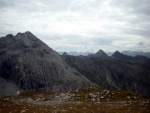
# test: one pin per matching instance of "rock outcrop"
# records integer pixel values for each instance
(32, 65)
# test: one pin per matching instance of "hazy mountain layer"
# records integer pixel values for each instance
(135, 53)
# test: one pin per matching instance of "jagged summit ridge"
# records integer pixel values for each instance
(22, 41)
(30, 40)
(27, 33)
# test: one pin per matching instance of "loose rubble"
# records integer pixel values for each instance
(75, 100)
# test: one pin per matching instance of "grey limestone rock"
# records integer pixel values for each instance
(7, 88)
(32, 65)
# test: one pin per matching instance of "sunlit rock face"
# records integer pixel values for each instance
(32, 65)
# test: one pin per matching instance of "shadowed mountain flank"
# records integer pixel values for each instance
(114, 72)
(32, 65)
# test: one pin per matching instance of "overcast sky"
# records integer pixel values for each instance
(80, 25)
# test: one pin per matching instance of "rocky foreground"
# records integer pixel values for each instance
(88, 100)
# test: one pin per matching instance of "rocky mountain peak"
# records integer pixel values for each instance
(101, 53)
(28, 40)
(24, 33)
(116, 53)
(65, 54)
(18, 34)
(9, 35)
(27, 35)
(119, 55)
(32, 65)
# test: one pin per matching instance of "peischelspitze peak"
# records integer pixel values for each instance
(32, 65)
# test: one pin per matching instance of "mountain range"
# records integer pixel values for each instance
(28, 64)
(127, 52)
(118, 71)
(136, 53)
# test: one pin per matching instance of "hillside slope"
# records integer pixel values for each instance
(32, 65)
(114, 72)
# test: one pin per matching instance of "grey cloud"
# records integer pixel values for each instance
(141, 43)
(85, 5)
(65, 39)
(103, 41)
(30, 6)
(60, 22)
(7, 3)
(141, 6)
(133, 6)
(36, 5)
(100, 38)
(60, 37)
(142, 46)
(137, 32)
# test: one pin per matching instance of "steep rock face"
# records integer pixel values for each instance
(32, 65)
(7, 88)
(113, 73)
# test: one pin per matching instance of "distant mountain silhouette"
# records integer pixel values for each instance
(74, 53)
(127, 52)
